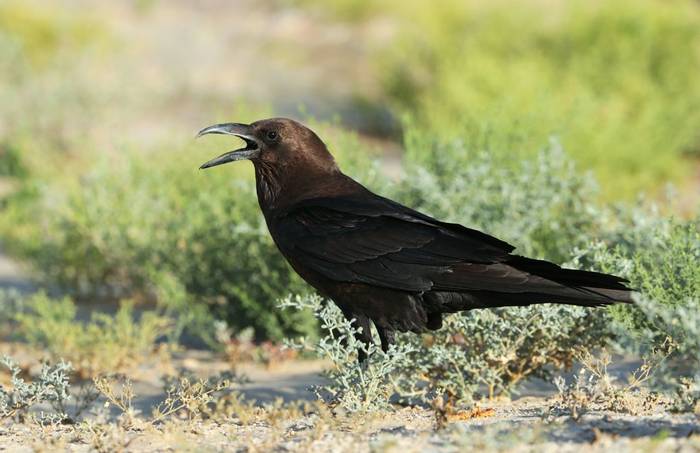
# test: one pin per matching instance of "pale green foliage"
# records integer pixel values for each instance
(51, 386)
(489, 352)
(687, 398)
(485, 349)
(10, 304)
(615, 80)
(661, 258)
(355, 387)
(679, 322)
(105, 343)
(195, 320)
(544, 206)
(41, 31)
(171, 231)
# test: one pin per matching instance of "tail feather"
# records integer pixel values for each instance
(615, 295)
(527, 282)
(595, 288)
(568, 277)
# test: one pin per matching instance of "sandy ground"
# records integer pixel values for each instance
(515, 428)
(525, 423)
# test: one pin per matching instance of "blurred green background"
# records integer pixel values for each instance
(445, 105)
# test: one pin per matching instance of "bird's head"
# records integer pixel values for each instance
(274, 142)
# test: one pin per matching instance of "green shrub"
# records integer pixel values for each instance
(11, 161)
(41, 30)
(616, 81)
(680, 323)
(122, 230)
(197, 239)
(490, 352)
(594, 388)
(51, 387)
(107, 343)
(476, 354)
(357, 388)
(544, 206)
(661, 258)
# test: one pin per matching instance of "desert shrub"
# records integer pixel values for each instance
(357, 388)
(679, 322)
(41, 31)
(186, 396)
(614, 80)
(475, 354)
(22, 399)
(104, 343)
(594, 388)
(490, 352)
(687, 397)
(154, 225)
(198, 243)
(544, 206)
(10, 304)
(11, 161)
(140, 228)
(192, 322)
(661, 258)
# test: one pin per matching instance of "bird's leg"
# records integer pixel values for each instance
(386, 336)
(363, 335)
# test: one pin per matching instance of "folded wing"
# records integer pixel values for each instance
(379, 242)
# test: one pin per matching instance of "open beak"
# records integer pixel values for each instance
(243, 131)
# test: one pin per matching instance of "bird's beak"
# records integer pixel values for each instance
(243, 131)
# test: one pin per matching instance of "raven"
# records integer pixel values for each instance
(383, 262)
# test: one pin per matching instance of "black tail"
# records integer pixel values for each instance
(523, 281)
(577, 287)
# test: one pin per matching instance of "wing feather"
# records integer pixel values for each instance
(380, 243)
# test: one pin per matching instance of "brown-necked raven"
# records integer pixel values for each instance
(381, 261)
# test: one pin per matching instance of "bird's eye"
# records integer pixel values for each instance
(272, 135)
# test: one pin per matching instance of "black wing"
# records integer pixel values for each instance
(376, 241)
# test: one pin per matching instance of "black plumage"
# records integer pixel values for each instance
(381, 261)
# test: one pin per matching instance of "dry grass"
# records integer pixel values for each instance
(211, 412)
(593, 387)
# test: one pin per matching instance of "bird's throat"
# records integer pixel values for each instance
(267, 184)
(281, 186)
